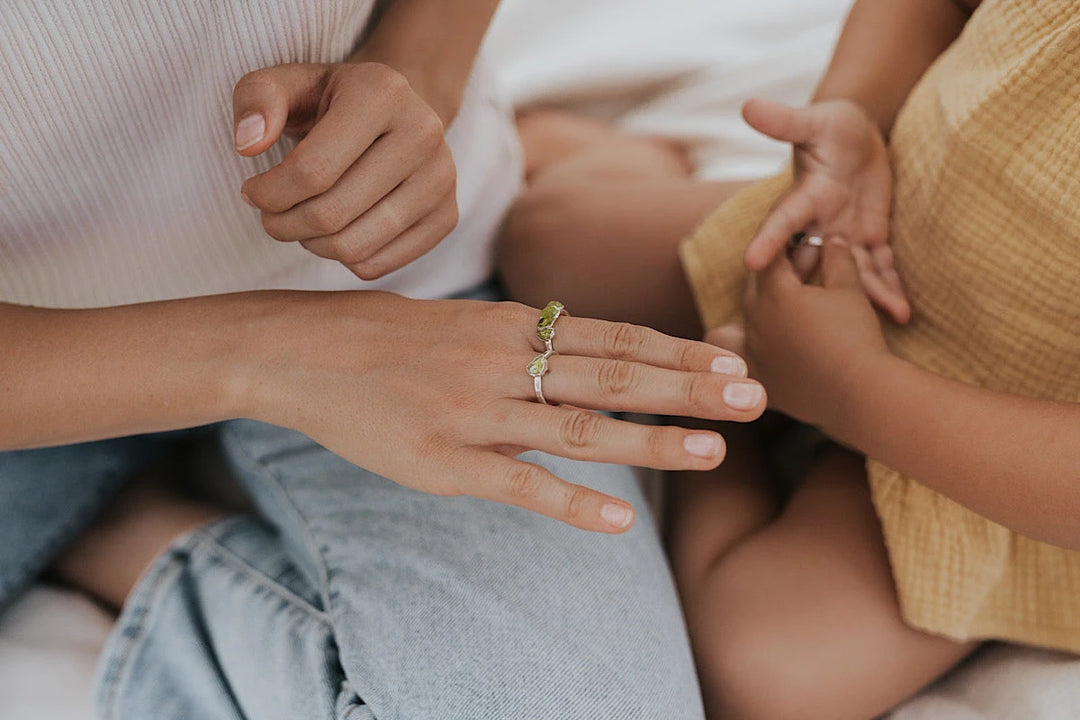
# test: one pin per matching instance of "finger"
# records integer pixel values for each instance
(894, 300)
(384, 166)
(623, 341)
(414, 243)
(844, 265)
(491, 476)
(790, 216)
(416, 198)
(583, 435)
(264, 100)
(781, 122)
(730, 337)
(351, 123)
(620, 385)
(805, 259)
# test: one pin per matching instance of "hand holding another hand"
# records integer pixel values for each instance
(808, 345)
(843, 187)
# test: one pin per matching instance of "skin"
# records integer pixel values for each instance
(371, 182)
(452, 417)
(790, 602)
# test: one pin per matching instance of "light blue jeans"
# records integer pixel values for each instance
(351, 597)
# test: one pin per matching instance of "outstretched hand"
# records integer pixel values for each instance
(371, 183)
(435, 395)
(843, 186)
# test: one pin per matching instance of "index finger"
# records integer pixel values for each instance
(529, 486)
(791, 215)
(623, 341)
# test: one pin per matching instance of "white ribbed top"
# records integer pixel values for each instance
(118, 178)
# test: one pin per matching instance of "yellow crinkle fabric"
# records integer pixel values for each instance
(986, 228)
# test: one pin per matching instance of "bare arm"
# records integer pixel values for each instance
(885, 48)
(433, 43)
(1011, 459)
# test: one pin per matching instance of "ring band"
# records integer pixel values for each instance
(800, 238)
(537, 369)
(545, 328)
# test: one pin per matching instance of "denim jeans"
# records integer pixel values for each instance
(348, 596)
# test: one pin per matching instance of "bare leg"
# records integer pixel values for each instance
(108, 559)
(800, 618)
(610, 208)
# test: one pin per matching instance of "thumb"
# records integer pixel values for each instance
(838, 268)
(781, 122)
(264, 100)
(730, 337)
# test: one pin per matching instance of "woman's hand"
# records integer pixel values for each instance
(843, 186)
(435, 395)
(371, 183)
(808, 345)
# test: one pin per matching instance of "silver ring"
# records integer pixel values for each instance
(537, 369)
(545, 328)
(800, 238)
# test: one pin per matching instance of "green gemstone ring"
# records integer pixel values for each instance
(545, 333)
(545, 328)
(537, 369)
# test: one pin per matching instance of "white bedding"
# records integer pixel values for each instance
(680, 69)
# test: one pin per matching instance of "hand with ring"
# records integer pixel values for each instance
(442, 396)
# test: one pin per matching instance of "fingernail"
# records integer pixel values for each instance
(618, 516)
(703, 446)
(729, 365)
(838, 241)
(742, 395)
(250, 130)
(245, 198)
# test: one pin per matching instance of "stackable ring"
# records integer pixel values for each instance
(537, 369)
(545, 328)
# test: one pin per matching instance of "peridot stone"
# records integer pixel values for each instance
(538, 366)
(545, 329)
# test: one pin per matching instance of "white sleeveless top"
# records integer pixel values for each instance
(118, 178)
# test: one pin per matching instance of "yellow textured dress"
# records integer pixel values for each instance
(986, 228)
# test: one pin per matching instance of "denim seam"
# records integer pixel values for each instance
(286, 501)
(241, 567)
(117, 657)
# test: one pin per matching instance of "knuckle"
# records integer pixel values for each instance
(695, 391)
(325, 217)
(623, 340)
(655, 443)
(524, 482)
(616, 378)
(580, 429)
(312, 171)
(369, 269)
(577, 502)
(430, 131)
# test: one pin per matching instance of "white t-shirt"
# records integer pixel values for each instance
(118, 178)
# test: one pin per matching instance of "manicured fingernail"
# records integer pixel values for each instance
(250, 130)
(742, 395)
(245, 198)
(618, 516)
(703, 446)
(728, 365)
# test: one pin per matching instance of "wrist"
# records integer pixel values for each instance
(440, 85)
(859, 396)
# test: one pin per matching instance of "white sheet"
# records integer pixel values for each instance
(679, 69)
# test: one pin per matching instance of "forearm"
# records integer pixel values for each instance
(433, 43)
(76, 375)
(1012, 459)
(886, 46)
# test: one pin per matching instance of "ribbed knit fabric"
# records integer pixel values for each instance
(118, 178)
(986, 228)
